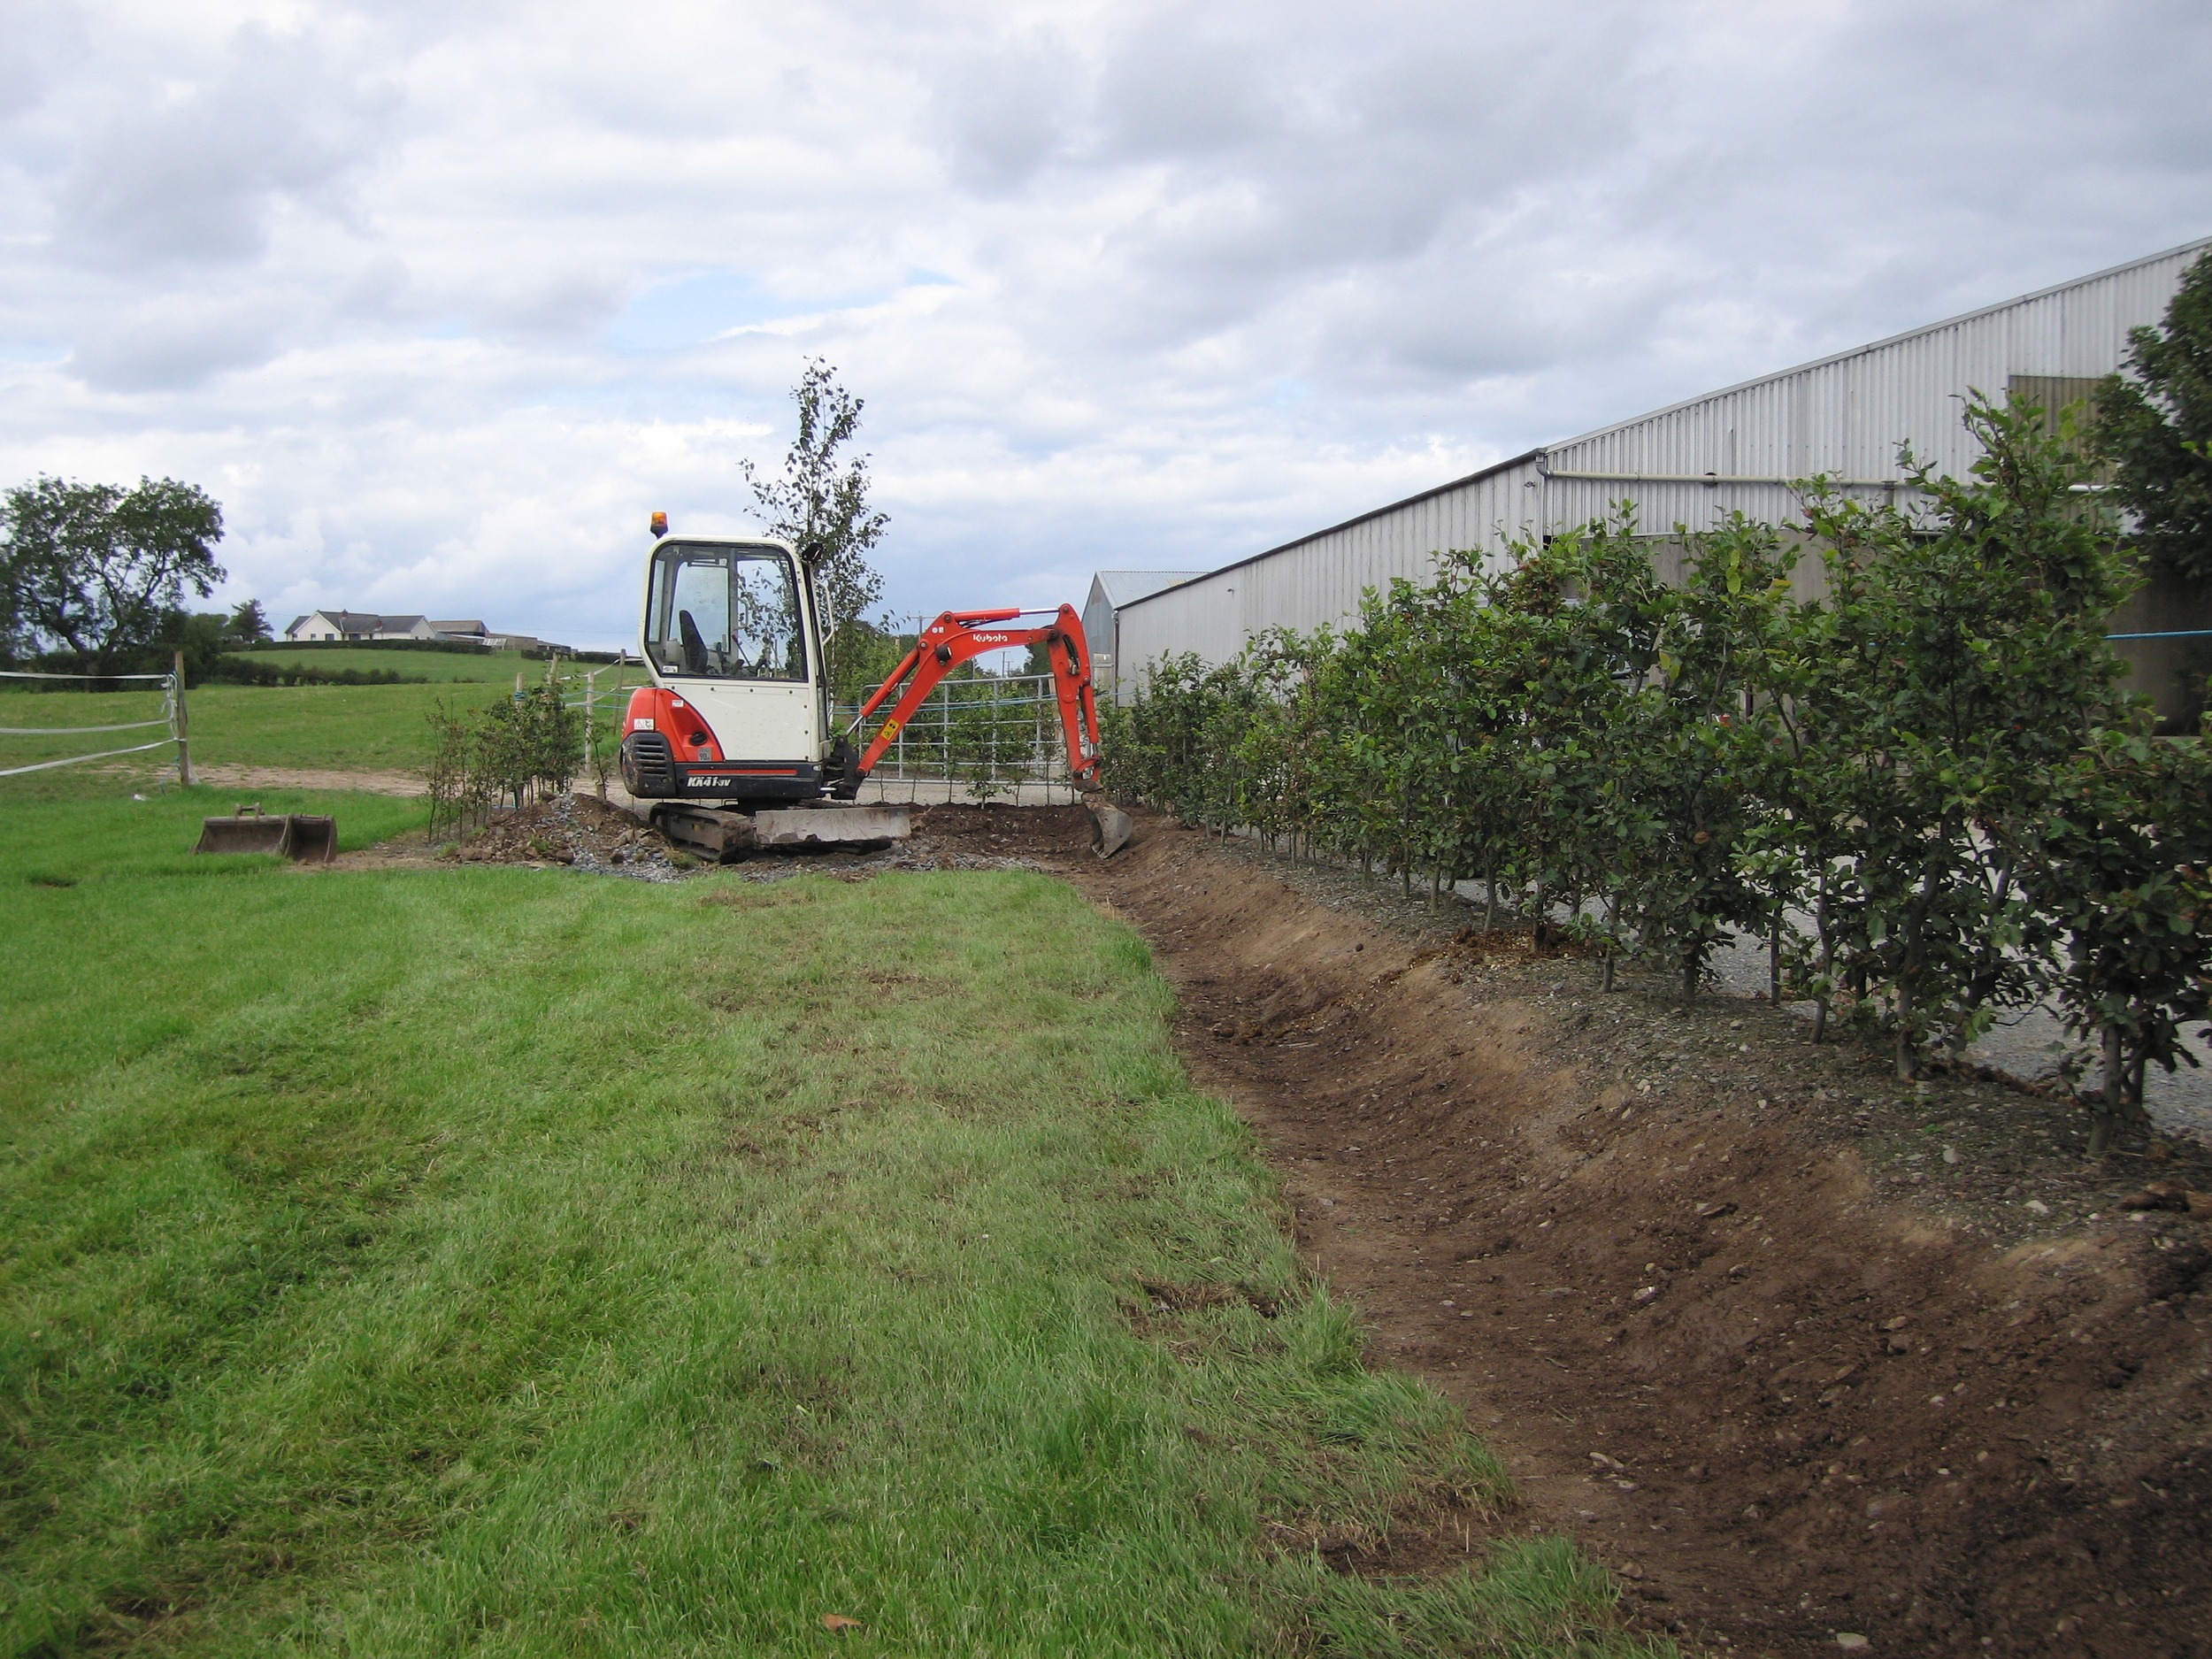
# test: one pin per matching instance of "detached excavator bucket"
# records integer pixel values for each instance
(1111, 827)
(312, 839)
(301, 837)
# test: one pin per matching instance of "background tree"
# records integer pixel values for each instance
(249, 623)
(2157, 428)
(98, 571)
(820, 502)
(201, 637)
(865, 654)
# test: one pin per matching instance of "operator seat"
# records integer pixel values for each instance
(694, 647)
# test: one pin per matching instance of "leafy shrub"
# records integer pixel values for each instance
(1932, 767)
(508, 752)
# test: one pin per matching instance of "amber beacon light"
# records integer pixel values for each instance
(660, 526)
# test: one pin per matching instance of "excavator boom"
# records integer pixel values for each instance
(960, 636)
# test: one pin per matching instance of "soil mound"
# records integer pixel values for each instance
(999, 832)
(579, 830)
(1796, 1350)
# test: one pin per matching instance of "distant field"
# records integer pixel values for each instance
(520, 1263)
(372, 728)
(357, 728)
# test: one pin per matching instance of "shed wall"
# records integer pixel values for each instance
(1844, 416)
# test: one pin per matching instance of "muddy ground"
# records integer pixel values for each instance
(585, 832)
(1797, 1350)
(229, 777)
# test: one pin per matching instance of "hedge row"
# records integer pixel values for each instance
(244, 671)
(1925, 791)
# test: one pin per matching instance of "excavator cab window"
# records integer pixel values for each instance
(725, 613)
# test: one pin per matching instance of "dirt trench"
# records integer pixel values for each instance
(1781, 1399)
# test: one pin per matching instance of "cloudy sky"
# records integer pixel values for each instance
(441, 300)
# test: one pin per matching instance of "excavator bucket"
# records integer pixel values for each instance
(1111, 827)
(302, 837)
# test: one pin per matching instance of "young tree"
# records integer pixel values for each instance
(2157, 428)
(1696, 743)
(1957, 659)
(819, 504)
(249, 623)
(2122, 859)
(96, 569)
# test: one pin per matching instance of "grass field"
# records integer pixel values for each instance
(349, 727)
(344, 727)
(524, 1263)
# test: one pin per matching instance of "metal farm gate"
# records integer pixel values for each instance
(981, 739)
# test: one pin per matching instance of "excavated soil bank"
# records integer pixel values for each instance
(1796, 1349)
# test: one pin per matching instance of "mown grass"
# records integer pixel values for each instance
(521, 1263)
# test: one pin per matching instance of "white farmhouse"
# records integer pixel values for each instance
(342, 626)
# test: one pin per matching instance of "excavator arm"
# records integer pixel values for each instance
(960, 636)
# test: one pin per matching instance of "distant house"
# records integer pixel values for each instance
(526, 643)
(342, 626)
(335, 624)
(338, 626)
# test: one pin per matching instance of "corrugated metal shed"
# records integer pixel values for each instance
(1691, 464)
(1110, 591)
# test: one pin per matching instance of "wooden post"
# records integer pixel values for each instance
(184, 724)
(591, 754)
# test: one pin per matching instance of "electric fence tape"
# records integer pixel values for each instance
(168, 717)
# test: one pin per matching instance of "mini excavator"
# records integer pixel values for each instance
(733, 743)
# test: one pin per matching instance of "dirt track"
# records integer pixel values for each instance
(1782, 1398)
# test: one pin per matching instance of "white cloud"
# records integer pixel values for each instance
(442, 301)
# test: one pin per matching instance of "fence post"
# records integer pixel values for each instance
(591, 755)
(184, 724)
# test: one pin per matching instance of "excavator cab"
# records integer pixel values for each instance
(737, 710)
(732, 743)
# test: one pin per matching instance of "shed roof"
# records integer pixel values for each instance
(1925, 329)
(1373, 512)
(1123, 588)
